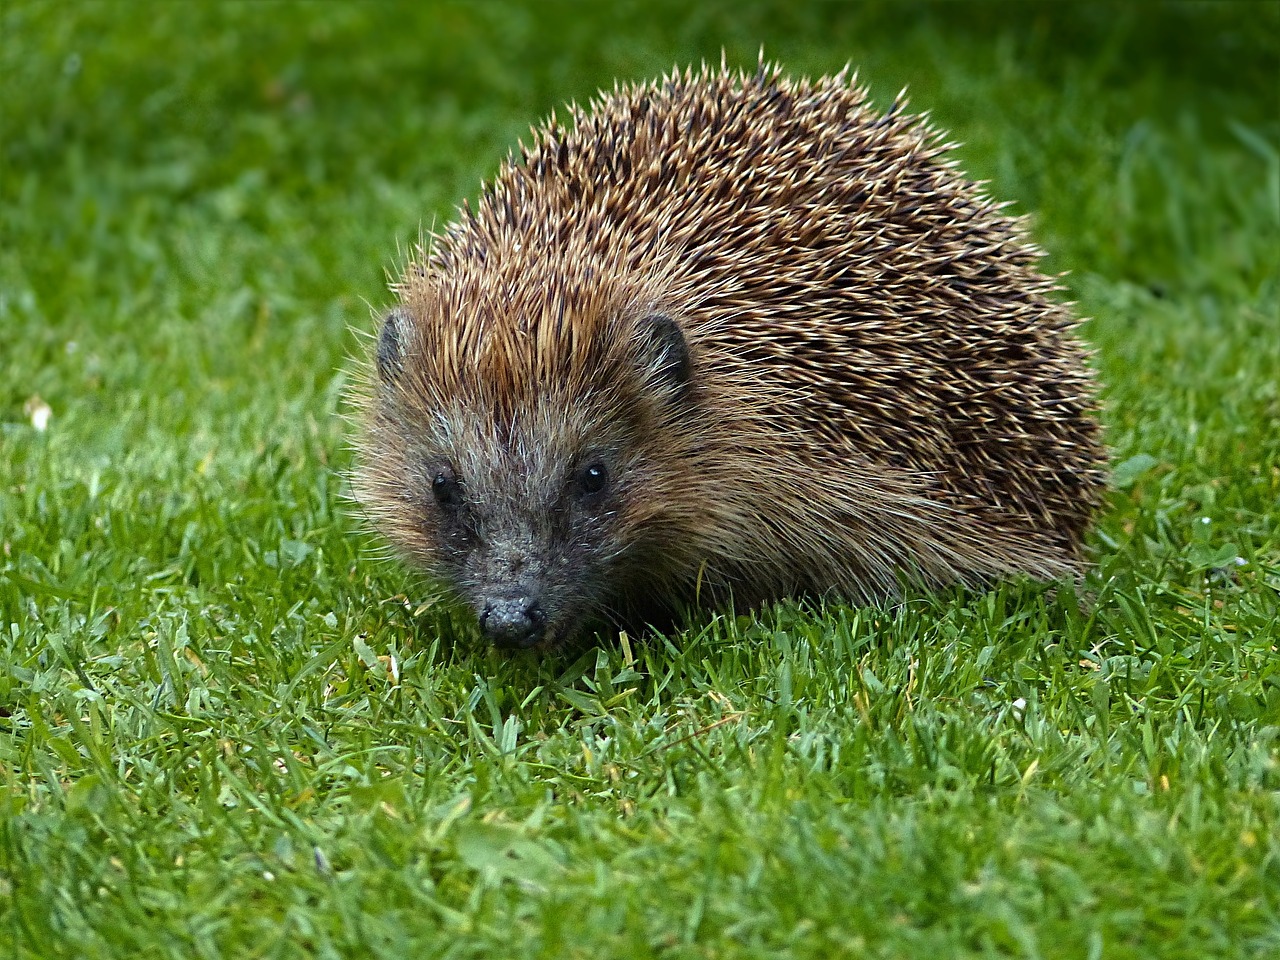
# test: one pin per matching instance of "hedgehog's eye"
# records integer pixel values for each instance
(446, 488)
(593, 478)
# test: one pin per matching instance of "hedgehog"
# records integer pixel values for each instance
(726, 338)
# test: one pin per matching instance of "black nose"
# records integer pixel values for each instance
(516, 623)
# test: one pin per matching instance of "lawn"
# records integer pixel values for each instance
(229, 728)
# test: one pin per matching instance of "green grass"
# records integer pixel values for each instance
(225, 731)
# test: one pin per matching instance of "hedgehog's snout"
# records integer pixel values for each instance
(515, 623)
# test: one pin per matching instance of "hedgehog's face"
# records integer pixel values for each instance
(523, 527)
(536, 506)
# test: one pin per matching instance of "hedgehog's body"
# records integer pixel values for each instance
(727, 336)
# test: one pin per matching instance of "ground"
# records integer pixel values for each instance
(229, 728)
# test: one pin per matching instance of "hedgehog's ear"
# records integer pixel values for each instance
(666, 353)
(391, 344)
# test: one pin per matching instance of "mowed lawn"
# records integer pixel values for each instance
(230, 728)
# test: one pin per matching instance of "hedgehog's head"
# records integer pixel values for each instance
(520, 450)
